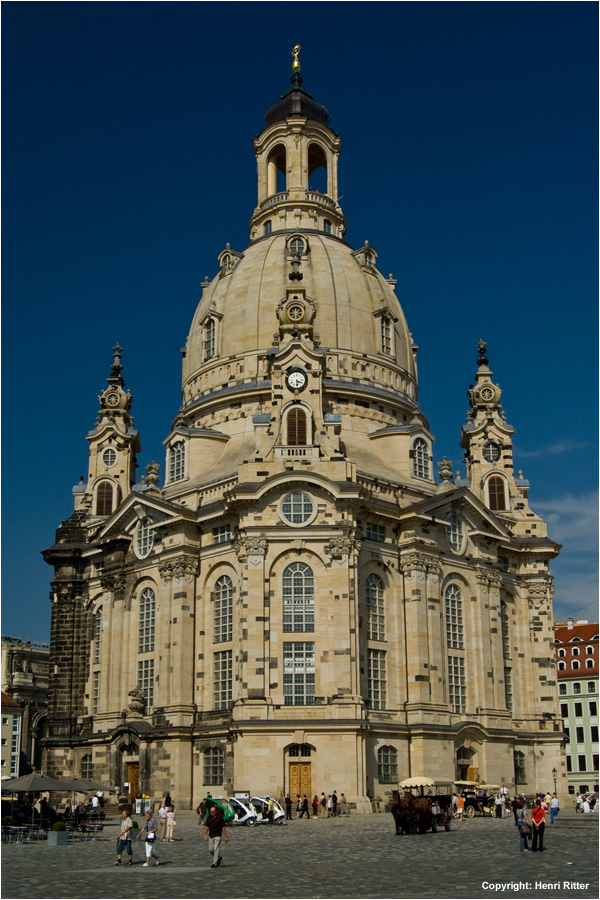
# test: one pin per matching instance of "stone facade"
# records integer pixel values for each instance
(25, 675)
(302, 605)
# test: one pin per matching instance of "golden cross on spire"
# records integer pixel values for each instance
(296, 63)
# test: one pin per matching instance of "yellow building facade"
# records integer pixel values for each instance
(305, 604)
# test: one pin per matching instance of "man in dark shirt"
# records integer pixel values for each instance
(214, 829)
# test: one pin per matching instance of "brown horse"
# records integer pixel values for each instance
(411, 814)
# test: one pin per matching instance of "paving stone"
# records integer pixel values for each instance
(354, 857)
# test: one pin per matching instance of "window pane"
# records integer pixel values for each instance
(223, 609)
(377, 682)
(298, 598)
(147, 621)
(299, 673)
(374, 595)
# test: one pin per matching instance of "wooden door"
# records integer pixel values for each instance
(300, 780)
(133, 777)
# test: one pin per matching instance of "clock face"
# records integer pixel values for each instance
(296, 380)
(112, 399)
(487, 393)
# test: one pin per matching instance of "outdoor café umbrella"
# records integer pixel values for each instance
(33, 782)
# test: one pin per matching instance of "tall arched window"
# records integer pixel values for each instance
(104, 499)
(387, 765)
(454, 618)
(223, 609)
(97, 635)
(496, 493)
(374, 595)
(209, 334)
(296, 427)
(147, 621)
(420, 453)
(144, 538)
(177, 461)
(87, 766)
(386, 333)
(298, 598)
(519, 762)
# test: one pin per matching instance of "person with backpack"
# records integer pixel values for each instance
(523, 824)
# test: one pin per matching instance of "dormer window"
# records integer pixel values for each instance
(297, 247)
(386, 335)
(369, 259)
(420, 455)
(209, 335)
(177, 461)
(296, 427)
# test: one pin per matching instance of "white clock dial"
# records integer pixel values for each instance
(296, 380)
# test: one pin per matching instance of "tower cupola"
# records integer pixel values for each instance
(296, 144)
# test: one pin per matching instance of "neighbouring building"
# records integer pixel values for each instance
(308, 601)
(25, 673)
(577, 665)
(10, 738)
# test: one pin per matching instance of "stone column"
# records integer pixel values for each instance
(253, 667)
(175, 687)
(414, 569)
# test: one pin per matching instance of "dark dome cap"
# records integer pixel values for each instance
(296, 103)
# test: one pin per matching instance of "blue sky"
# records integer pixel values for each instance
(469, 162)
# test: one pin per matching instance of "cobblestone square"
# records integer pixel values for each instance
(355, 857)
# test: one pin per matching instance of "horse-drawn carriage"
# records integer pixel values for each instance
(479, 798)
(419, 813)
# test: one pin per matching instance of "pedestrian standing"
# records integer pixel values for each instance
(214, 830)
(305, 807)
(315, 806)
(270, 811)
(323, 805)
(124, 839)
(95, 803)
(523, 825)
(343, 805)
(554, 808)
(578, 801)
(170, 823)
(334, 803)
(498, 805)
(162, 821)
(460, 808)
(100, 796)
(288, 807)
(150, 830)
(538, 822)
(298, 807)
(329, 807)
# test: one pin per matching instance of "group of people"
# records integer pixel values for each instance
(534, 826)
(583, 803)
(154, 831)
(322, 807)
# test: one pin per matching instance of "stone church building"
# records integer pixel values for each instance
(307, 603)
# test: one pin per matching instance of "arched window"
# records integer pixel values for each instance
(386, 335)
(209, 342)
(298, 598)
(177, 461)
(589, 663)
(454, 618)
(223, 609)
(213, 766)
(317, 169)
(375, 597)
(296, 427)
(496, 493)
(562, 666)
(575, 651)
(97, 635)
(589, 650)
(147, 621)
(87, 766)
(575, 664)
(387, 765)
(104, 499)
(144, 538)
(562, 652)
(276, 170)
(455, 533)
(420, 458)
(505, 630)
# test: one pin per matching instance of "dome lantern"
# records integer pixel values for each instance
(295, 145)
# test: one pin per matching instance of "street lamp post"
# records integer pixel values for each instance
(554, 774)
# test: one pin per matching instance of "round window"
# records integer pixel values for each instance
(297, 509)
(144, 538)
(297, 246)
(491, 452)
(109, 457)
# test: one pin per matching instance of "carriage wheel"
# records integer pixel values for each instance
(470, 812)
